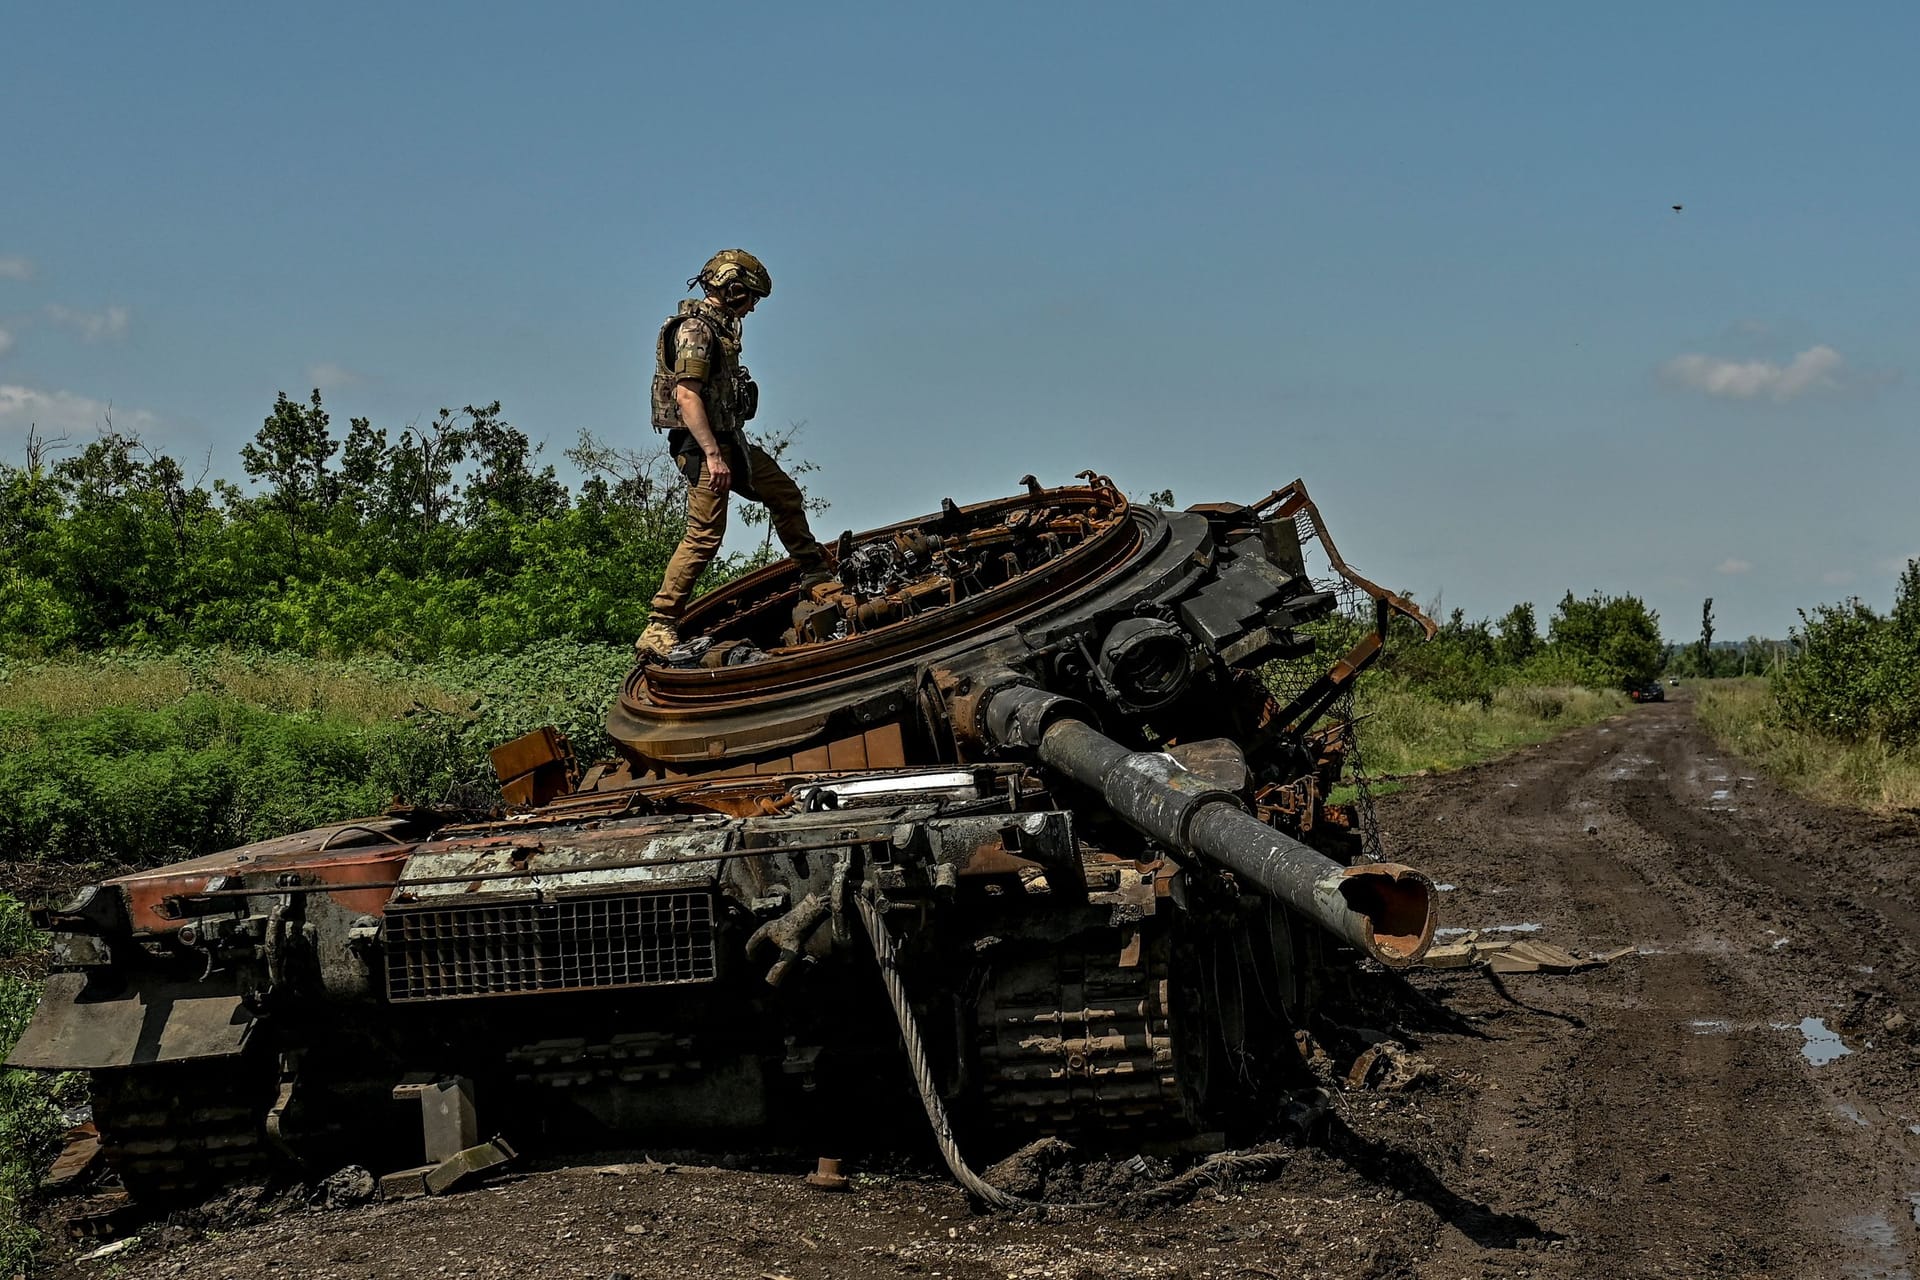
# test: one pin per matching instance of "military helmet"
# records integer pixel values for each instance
(731, 272)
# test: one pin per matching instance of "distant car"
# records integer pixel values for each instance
(1648, 692)
(1674, 681)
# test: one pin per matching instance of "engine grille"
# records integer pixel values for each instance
(655, 939)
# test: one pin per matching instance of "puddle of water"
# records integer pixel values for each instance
(1822, 1045)
(1710, 1026)
(1652, 951)
(1445, 888)
(1720, 794)
(1877, 1233)
(1779, 942)
(1852, 1113)
(1913, 1200)
(1489, 928)
(1514, 785)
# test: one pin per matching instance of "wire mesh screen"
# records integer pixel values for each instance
(655, 939)
(1351, 619)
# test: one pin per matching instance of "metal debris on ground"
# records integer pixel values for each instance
(1516, 956)
(348, 1186)
(827, 1176)
(468, 1165)
(76, 1159)
(109, 1250)
(1388, 1067)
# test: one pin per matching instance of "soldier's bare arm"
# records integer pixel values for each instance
(693, 412)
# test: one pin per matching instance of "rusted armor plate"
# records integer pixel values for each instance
(150, 1022)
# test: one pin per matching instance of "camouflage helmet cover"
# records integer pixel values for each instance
(731, 267)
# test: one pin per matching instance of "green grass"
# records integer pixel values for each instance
(30, 1102)
(1739, 713)
(145, 759)
(360, 691)
(1407, 731)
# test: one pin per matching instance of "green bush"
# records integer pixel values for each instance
(1854, 674)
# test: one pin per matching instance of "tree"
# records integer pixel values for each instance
(1609, 640)
(503, 477)
(289, 454)
(1706, 637)
(1519, 635)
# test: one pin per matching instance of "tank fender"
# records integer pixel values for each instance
(84, 1025)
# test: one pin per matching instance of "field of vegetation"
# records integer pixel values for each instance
(185, 667)
(1839, 716)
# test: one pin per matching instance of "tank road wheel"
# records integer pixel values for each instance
(181, 1130)
(1244, 982)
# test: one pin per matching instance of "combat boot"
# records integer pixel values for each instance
(657, 640)
(815, 572)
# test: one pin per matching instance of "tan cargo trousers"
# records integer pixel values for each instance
(757, 477)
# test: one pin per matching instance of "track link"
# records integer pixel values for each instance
(176, 1130)
(1078, 1040)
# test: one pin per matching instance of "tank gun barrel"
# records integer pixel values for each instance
(1384, 909)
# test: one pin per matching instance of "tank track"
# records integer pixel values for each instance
(177, 1130)
(1078, 1040)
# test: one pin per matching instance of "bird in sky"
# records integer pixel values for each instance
(1677, 208)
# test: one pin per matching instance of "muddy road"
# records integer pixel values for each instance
(1740, 1096)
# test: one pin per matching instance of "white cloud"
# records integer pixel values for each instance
(92, 325)
(14, 267)
(1733, 564)
(1811, 370)
(1896, 564)
(54, 412)
(6, 342)
(328, 374)
(1837, 577)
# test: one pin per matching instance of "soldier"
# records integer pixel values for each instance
(702, 397)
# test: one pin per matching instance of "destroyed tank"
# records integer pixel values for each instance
(1004, 824)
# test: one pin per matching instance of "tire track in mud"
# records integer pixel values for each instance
(1659, 1113)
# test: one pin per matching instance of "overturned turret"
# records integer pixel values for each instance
(1059, 766)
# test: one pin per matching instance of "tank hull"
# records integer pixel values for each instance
(671, 947)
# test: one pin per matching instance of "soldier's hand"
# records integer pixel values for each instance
(719, 474)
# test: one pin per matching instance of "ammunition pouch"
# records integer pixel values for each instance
(666, 410)
(746, 395)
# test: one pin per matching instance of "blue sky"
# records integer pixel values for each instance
(1422, 256)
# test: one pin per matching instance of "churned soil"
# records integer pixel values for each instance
(1677, 1112)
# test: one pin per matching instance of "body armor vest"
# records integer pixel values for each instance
(730, 396)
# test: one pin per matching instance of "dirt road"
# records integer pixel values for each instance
(1740, 1097)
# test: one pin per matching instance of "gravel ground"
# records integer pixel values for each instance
(1671, 1114)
